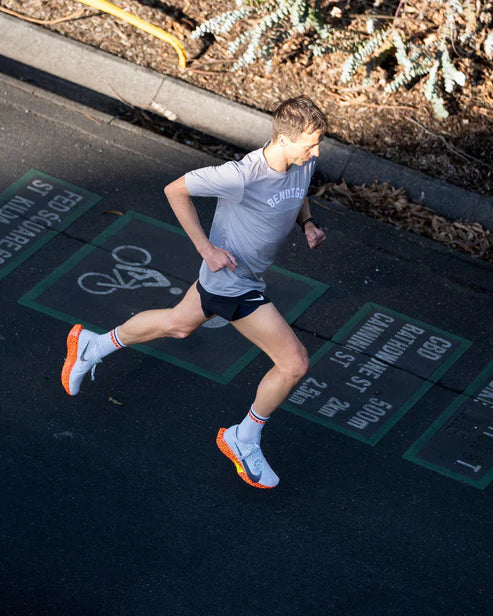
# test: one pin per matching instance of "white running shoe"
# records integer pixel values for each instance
(76, 366)
(248, 459)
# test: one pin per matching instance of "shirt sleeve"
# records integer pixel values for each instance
(221, 181)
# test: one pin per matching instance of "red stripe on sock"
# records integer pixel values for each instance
(255, 418)
(114, 340)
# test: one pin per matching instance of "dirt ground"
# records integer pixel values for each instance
(400, 127)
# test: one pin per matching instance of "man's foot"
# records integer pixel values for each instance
(76, 366)
(248, 459)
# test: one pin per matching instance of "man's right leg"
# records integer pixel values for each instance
(177, 322)
(85, 348)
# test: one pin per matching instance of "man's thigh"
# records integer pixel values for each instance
(267, 328)
(188, 314)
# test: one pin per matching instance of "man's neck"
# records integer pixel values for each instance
(274, 155)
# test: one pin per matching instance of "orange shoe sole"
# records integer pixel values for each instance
(71, 358)
(228, 452)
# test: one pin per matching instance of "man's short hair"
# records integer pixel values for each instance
(297, 115)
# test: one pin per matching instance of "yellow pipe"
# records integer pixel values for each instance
(107, 7)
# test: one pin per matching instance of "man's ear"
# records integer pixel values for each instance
(282, 140)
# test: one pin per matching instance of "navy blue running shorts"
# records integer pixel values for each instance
(230, 308)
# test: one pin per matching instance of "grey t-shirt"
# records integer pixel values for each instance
(256, 209)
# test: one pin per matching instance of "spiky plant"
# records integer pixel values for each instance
(276, 23)
(422, 47)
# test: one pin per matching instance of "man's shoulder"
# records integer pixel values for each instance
(252, 158)
(253, 166)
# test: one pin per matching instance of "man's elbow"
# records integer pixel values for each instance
(175, 188)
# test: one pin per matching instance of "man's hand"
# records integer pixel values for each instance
(217, 259)
(314, 236)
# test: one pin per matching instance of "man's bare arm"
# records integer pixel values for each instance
(181, 204)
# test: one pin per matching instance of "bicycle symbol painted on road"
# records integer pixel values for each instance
(130, 272)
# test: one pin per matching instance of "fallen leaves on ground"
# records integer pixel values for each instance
(391, 205)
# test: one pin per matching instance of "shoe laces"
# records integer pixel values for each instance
(254, 454)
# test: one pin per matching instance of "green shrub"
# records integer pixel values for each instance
(422, 48)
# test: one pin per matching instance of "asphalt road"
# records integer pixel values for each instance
(117, 501)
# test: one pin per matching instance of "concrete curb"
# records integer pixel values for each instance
(234, 123)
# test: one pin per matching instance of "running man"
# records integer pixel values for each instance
(259, 199)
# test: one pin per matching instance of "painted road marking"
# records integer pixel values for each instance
(33, 211)
(459, 444)
(130, 273)
(373, 372)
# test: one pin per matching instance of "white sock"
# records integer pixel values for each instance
(105, 344)
(250, 428)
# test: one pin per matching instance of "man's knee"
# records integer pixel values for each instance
(177, 327)
(180, 333)
(296, 364)
(177, 330)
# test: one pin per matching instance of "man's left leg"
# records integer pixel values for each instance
(266, 328)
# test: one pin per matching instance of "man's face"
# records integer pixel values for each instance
(300, 149)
